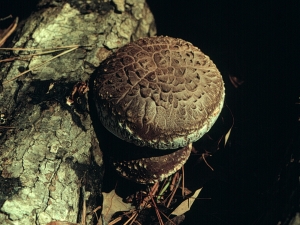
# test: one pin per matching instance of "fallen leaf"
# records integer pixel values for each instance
(236, 81)
(186, 204)
(227, 136)
(112, 203)
(229, 131)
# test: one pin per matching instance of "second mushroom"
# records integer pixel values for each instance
(158, 93)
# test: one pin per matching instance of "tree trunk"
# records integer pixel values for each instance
(50, 160)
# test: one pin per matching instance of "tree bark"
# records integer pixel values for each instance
(50, 160)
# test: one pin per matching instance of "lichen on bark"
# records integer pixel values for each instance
(50, 148)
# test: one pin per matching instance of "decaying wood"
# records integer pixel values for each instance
(50, 160)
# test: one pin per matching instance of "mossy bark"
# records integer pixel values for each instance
(50, 159)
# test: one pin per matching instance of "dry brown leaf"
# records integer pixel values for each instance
(236, 81)
(186, 204)
(227, 136)
(229, 131)
(112, 203)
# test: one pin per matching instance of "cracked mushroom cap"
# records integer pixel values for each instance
(160, 92)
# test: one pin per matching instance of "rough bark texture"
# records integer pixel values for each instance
(50, 160)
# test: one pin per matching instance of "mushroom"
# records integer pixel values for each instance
(160, 93)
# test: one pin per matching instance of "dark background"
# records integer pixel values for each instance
(254, 181)
(257, 41)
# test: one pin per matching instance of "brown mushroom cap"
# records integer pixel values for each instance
(159, 92)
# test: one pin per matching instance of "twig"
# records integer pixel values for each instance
(173, 193)
(167, 217)
(147, 198)
(164, 187)
(115, 220)
(5, 18)
(41, 64)
(182, 191)
(5, 127)
(43, 50)
(132, 218)
(175, 177)
(9, 31)
(156, 210)
(203, 157)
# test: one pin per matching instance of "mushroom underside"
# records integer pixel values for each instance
(152, 169)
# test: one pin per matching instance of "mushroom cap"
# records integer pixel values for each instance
(160, 92)
(153, 169)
